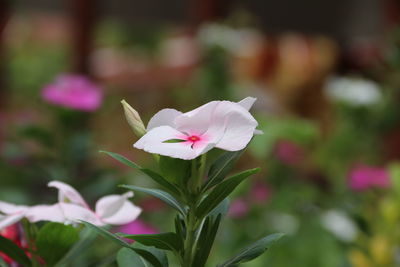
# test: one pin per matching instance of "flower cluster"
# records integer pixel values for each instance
(72, 208)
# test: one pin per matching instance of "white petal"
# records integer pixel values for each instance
(154, 142)
(52, 213)
(10, 220)
(240, 126)
(248, 102)
(116, 209)
(198, 120)
(164, 117)
(8, 208)
(75, 213)
(67, 194)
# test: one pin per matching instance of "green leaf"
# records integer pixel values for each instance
(220, 168)
(87, 236)
(54, 240)
(153, 175)
(129, 257)
(166, 241)
(206, 240)
(13, 251)
(221, 191)
(253, 251)
(106, 234)
(174, 170)
(116, 239)
(162, 195)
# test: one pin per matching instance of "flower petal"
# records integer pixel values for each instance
(8, 208)
(248, 102)
(198, 120)
(8, 220)
(74, 213)
(117, 209)
(52, 213)
(67, 194)
(164, 117)
(240, 126)
(154, 142)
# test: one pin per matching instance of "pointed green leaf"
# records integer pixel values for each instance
(54, 240)
(253, 251)
(153, 175)
(207, 234)
(166, 241)
(116, 239)
(129, 257)
(106, 234)
(162, 195)
(87, 236)
(220, 168)
(13, 251)
(221, 191)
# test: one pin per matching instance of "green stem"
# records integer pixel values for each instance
(30, 237)
(189, 249)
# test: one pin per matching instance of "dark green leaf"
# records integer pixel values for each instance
(54, 240)
(253, 251)
(144, 253)
(153, 175)
(13, 251)
(129, 257)
(106, 234)
(179, 226)
(220, 168)
(87, 236)
(221, 191)
(164, 196)
(174, 170)
(166, 241)
(206, 240)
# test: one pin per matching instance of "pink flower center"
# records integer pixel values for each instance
(193, 138)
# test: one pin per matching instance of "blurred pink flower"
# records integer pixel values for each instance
(363, 177)
(260, 192)
(289, 152)
(137, 227)
(238, 208)
(73, 91)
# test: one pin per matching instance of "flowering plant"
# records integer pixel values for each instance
(195, 187)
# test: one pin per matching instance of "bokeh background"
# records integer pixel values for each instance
(326, 75)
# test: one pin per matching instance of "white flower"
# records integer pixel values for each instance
(72, 208)
(359, 92)
(221, 124)
(339, 224)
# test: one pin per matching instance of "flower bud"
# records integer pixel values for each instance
(134, 120)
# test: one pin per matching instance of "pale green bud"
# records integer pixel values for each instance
(134, 120)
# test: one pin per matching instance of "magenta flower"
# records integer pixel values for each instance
(137, 227)
(238, 209)
(221, 124)
(363, 177)
(289, 152)
(260, 192)
(74, 92)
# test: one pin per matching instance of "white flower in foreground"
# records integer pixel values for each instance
(353, 91)
(72, 208)
(221, 124)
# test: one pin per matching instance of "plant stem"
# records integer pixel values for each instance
(191, 224)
